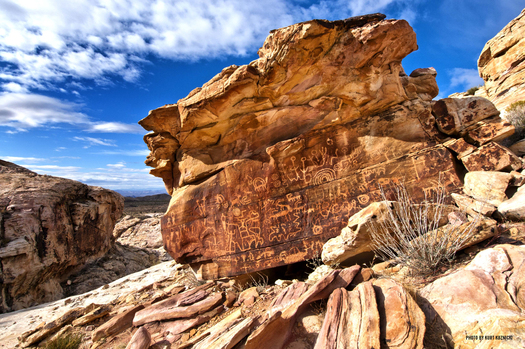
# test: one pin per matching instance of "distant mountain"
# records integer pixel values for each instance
(146, 204)
(139, 193)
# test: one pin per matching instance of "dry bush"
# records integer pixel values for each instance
(260, 282)
(516, 116)
(404, 237)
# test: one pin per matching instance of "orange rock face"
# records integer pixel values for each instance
(268, 161)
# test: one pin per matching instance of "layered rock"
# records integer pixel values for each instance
(49, 227)
(483, 304)
(502, 65)
(267, 161)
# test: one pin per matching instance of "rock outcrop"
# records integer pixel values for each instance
(482, 304)
(502, 65)
(49, 227)
(267, 161)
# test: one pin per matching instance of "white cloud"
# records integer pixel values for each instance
(48, 41)
(96, 141)
(18, 159)
(119, 165)
(38, 168)
(464, 78)
(115, 127)
(22, 111)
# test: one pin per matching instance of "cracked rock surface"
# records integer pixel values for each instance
(49, 227)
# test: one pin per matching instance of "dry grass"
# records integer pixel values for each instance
(404, 237)
(68, 341)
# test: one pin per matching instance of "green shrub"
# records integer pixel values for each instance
(471, 91)
(67, 341)
(404, 237)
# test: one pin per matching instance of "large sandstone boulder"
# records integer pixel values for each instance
(502, 66)
(267, 161)
(483, 304)
(48, 227)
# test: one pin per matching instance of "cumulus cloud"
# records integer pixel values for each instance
(464, 78)
(50, 41)
(22, 111)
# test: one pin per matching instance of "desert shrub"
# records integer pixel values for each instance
(516, 116)
(67, 341)
(404, 236)
(471, 91)
(260, 282)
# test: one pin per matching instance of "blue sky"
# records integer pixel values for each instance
(77, 76)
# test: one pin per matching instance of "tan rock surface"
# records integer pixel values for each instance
(502, 64)
(484, 299)
(487, 186)
(492, 157)
(352, 320)
(402, 323)
(514, 208)
(454, 115)
(518, 148)
(140, 340)
(50, 226)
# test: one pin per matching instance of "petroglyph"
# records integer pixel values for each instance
(323, 176)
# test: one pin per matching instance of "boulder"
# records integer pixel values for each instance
(514, 208)
(267, 161)
(402, 323)
(140, 340)
(50, 227)
(482, 305)
(492, 157)
(470, 205)
(454, 115)
(352, 320)
(355, 238)
(502, 66)
(487, 186)
(518, 148)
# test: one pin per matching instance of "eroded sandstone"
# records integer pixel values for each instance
(49, 227)
(502, 65)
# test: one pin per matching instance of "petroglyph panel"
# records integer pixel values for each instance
(231, 225)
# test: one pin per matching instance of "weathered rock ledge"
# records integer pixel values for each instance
(49, 227)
